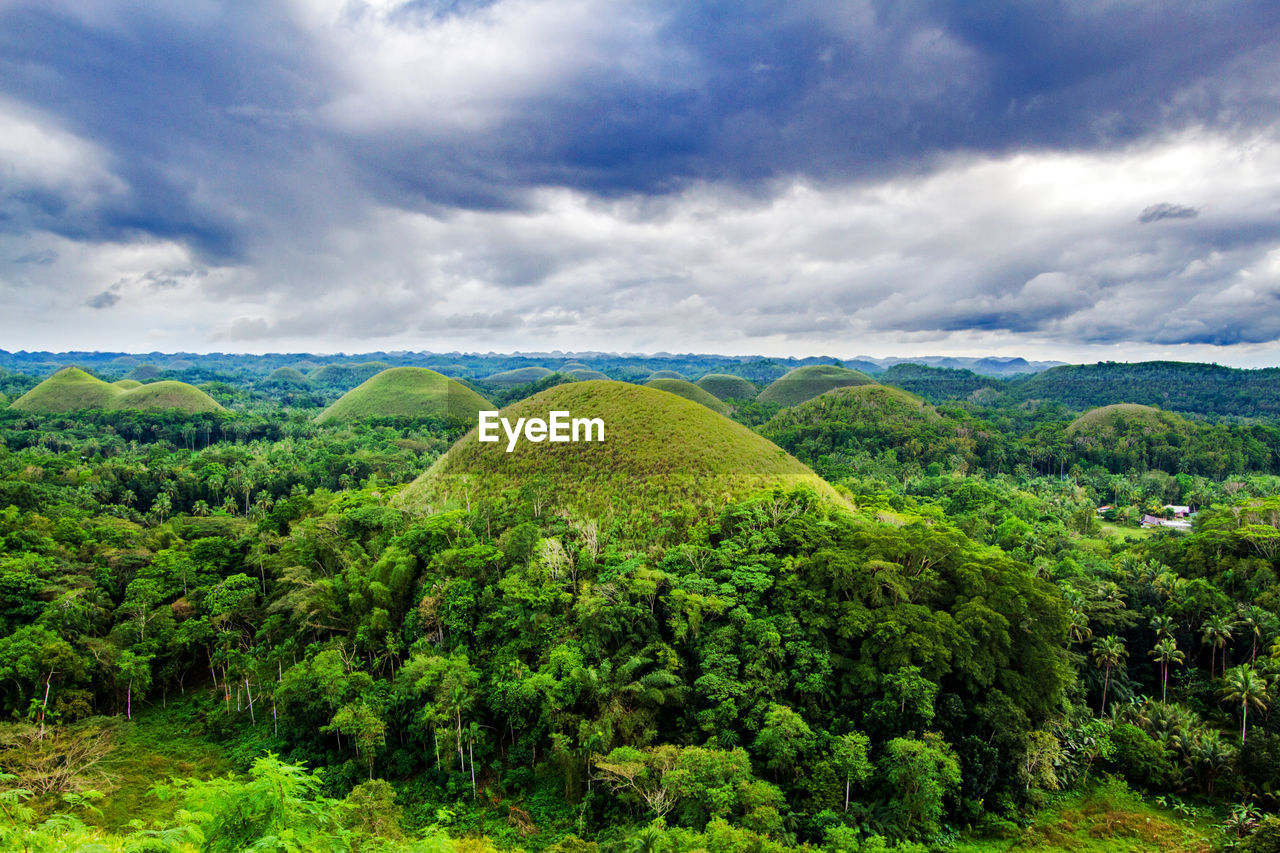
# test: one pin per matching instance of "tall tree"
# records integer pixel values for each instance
(1109, 653)
(1243, 686)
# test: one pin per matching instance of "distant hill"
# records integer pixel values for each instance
(145, 372)
(346, 375)
(659, 451)
(287, 376)
(723, 386)
(166, 395)
(127, 384)
(519, 376)
(71, 389)
(1171, 385)
(937, 383)
(665, 374)
(1123, 417)
(685, 388)
(805, 383)
(999, 366)
(585, 373)
(406, 392)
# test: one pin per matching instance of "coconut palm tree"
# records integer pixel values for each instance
(1109, 653)
(1216, 633)
(1166, 651)
(1243, 686)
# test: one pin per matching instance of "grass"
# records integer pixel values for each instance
(805, 383)
(723, 386)
(685, 388)
(127, 384)
(71, 389)
(519, 376)
(660, 451)
(664, 374)
(1107, 819)
(167, 395)
(406, 392)
(585, 373)
(287, 376)
(159, 743)
(873, 407)
(349, 375)
(1106, 419)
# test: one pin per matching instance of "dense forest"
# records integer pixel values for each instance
(228, 630)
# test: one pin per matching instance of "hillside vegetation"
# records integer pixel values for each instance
(805, 383)
(519, 376)
(685, 388)
(659, 450)
(406, 392)
(723, 386)
(71, 389)
(1172, 385)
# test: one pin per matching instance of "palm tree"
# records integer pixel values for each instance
(1109, 652)
(1162, 625)
(1166, 651)
(1078, 630)
(1253, 619)
(1244, 686)
(1215, 633)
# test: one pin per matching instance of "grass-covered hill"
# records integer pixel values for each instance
(685, 388)
(660, 451)
(127, 384)
(1172, 385)
(585, 373)
(347, 375)
(166, 395)
(146, 372)
(724, 386)
(851, 431)
(71, 389)
(406, 392)
(1121, 418)
(519, 376)
(805, 383)
(287, 376)
(665, 374)
(68, 390)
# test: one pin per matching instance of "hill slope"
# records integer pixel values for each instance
(71, 390)
(406, 392)
(805, 383)
(1172, 385)
(166, 395)
(659, 452)
(685, 388)
(68, 390)
(724, 386)
(1121, 418)
(519, 376)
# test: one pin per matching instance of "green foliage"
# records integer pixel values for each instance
(724, 386)
(407, 392)
(685, 388)
(805, 383)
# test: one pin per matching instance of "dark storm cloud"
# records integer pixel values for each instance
(356, 170)
(208, 115)
(105, 299)
(1164, 210)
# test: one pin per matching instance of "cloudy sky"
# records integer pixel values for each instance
(1082, 180)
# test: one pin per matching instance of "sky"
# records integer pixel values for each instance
(1080, 180)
